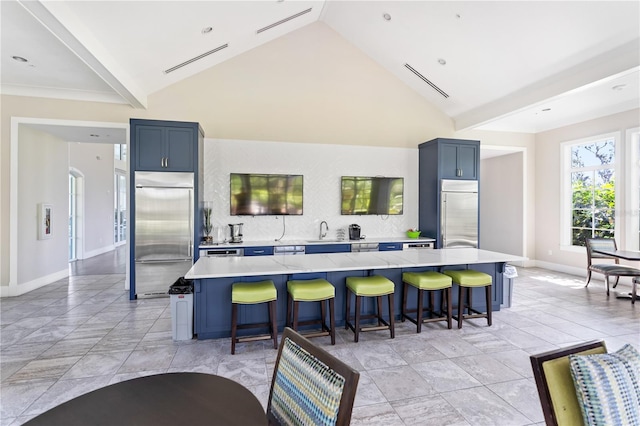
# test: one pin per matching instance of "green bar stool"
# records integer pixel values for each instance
(312, 290)
(468, 279)
(430, 281)
(371, 286)
(253, 293)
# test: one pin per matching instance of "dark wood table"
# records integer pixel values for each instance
(163, 399)
(626, 255)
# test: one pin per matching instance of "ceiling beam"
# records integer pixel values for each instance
(61, 22)
(608, 65)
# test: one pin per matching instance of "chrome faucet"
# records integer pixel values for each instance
(323, 234)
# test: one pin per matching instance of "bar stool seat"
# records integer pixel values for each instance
(253, 293)
(468, 279)
(430, 281)
(371, 286)
(312, 290)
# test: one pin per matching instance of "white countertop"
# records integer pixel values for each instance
(303, 242)
(220, 267)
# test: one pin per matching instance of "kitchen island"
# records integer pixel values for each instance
(214, 275)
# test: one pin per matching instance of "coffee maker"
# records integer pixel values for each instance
(235, 232)
(354, 232)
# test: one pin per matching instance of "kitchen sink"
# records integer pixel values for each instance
(324, 240)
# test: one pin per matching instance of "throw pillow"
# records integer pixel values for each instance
(608, 386)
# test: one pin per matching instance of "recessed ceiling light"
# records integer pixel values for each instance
(619, 87)
(442, 61)
(386, 16)
(19, 59)
(207, 30)
(458, 16)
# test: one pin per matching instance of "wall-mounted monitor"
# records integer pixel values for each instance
(372, 195)
(254, 194)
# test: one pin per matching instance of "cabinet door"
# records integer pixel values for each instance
(389, 246)
(468, 161)
(327, 248)
(149, 145)
(448, 161)
(179, 149)
(258, 251)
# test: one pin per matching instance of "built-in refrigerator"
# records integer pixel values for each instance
(164, 212)
(459, 213)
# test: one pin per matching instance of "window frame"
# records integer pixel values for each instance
(632, 190)
(566, 169)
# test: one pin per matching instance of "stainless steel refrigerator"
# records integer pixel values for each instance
(459, 213)
(164, 206)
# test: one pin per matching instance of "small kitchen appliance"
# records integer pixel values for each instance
(235, 232)
(354, 232)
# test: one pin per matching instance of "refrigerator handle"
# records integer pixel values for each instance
(443, 225)
(191, 224)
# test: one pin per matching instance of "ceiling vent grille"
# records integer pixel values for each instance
(275, 24)
(197, 58)
(426, 80)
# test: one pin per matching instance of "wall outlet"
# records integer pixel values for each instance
(550, 253)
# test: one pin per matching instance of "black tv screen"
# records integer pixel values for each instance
(265, 194)
(372, 195)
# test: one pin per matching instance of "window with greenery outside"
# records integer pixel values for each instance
(592, 191)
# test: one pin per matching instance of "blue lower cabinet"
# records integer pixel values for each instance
(258, 251)
(212, 298)
(389, 246)
(327, 248)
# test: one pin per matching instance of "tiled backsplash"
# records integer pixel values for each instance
(322, 167)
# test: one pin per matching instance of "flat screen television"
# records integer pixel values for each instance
(372, 195)
(255, 194)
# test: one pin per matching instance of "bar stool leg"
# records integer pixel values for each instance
(488, 296)
(379, 301)
(348, 314)
(332, 320)
(323, 315)
(357, 320)
(234, 326)
(449, 308)
(289, 320)
(274, 323)
(420, 312)
(403, 309)
(391, 317)
(296, 305)
(461, 291)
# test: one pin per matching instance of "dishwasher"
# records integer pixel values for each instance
(288, 250)
(363, 247)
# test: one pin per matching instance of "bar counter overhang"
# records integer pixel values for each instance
(213, 277)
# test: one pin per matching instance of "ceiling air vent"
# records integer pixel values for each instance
(426, 80)
(187, 62)
(275, 24)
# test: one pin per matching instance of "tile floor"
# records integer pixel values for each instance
(83, 333)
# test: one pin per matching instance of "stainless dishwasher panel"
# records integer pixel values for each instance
(221, 252)
(288, 250)
(424, 245)
(362, 247)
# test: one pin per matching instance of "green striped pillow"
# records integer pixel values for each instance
(608, 386)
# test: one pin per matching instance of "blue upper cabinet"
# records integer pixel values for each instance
(164, 146)
(458, 159)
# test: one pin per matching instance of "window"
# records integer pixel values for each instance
(632, 201)
(590, 189)
(120, 152)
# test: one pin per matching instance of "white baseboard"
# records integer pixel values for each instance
(10, 291)
(581, 272)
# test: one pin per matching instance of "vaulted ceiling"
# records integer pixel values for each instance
(512, 66)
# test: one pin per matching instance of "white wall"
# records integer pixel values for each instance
(548, 183)
(95, 161)
(502, 204)
(322, 167)
(43, 171)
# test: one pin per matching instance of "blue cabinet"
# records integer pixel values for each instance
(442, 159)
(164, 146)
(327, 248)
(258, 251)
(389, 246)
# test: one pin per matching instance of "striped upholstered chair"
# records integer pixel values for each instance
(310, 386)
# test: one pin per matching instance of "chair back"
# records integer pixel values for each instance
(309, 385)
(600, 243)
(555, 385)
